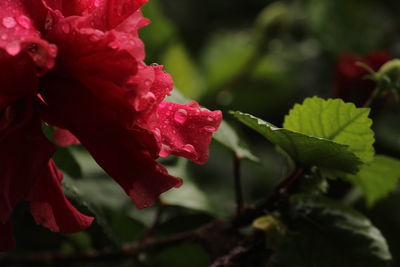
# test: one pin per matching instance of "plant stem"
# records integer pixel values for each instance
(237, 183)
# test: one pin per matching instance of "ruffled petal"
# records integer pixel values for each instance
(24, 154)
(51, 208)
(64, 137)
(127, 153)
(19, 34)
(7, 241)
(23, 53)
(128, 156)
(12, 87)
(186, 130)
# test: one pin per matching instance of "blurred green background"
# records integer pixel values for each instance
(259, 57)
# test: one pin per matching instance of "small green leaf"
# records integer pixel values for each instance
(326, 233)
(334, 120)
(377, 179)
(305, 150)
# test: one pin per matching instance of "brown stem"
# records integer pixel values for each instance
(132, 249)
(150, 231)
(238, 183)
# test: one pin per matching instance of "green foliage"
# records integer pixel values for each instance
(66, 161)
(334, 120)
(227, 136)
(377, 179)
(303, 149)
(326, 233)
(189, 195)
(225, 56)
(179, 64)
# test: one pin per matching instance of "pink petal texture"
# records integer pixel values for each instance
(24, 154)
(50, 207)
(186, 130)
(64, 137)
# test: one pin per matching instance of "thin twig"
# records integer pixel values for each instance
(238, 183)
(133, 249)
(157, 219)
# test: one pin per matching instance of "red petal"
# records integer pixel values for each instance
(51, 208)
(186, 130)
(128, 155)
(64, 137)
(19, 33)
(7, 241)
(24, 153)
(12, 68)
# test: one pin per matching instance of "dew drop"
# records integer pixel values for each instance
(9, 22)
(97, 3)
(94, 38)
(144, 102)
(180, 116)
(209, 118)
(157, 132)
(113, 46)
(66, 28)
(13, 48)
(189, 148)
(154, 64)
(209, 129)
(165, 150)
(24, 21)
(147, 83)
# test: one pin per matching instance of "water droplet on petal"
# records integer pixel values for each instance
(165, 150)
(157, 132)
(113, 46)
(147, 83)
(153, 64)
(97, 3)
(13, 48)
(145, 101)
(94, 38)
(9, 22)
(180, 116)
(24, 21)
(66, 28)
(209, 129)
(3, 36)
(209, 118)
(189, 148)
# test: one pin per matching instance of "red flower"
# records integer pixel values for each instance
(350, 83)
(79, 65)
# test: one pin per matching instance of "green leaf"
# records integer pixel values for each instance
(66, 161)
(225, 135)
(189, 195)
(225, 56)
(377, 179)
(180, 65)
(304, 150)
(334, 120)
(326, 233)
